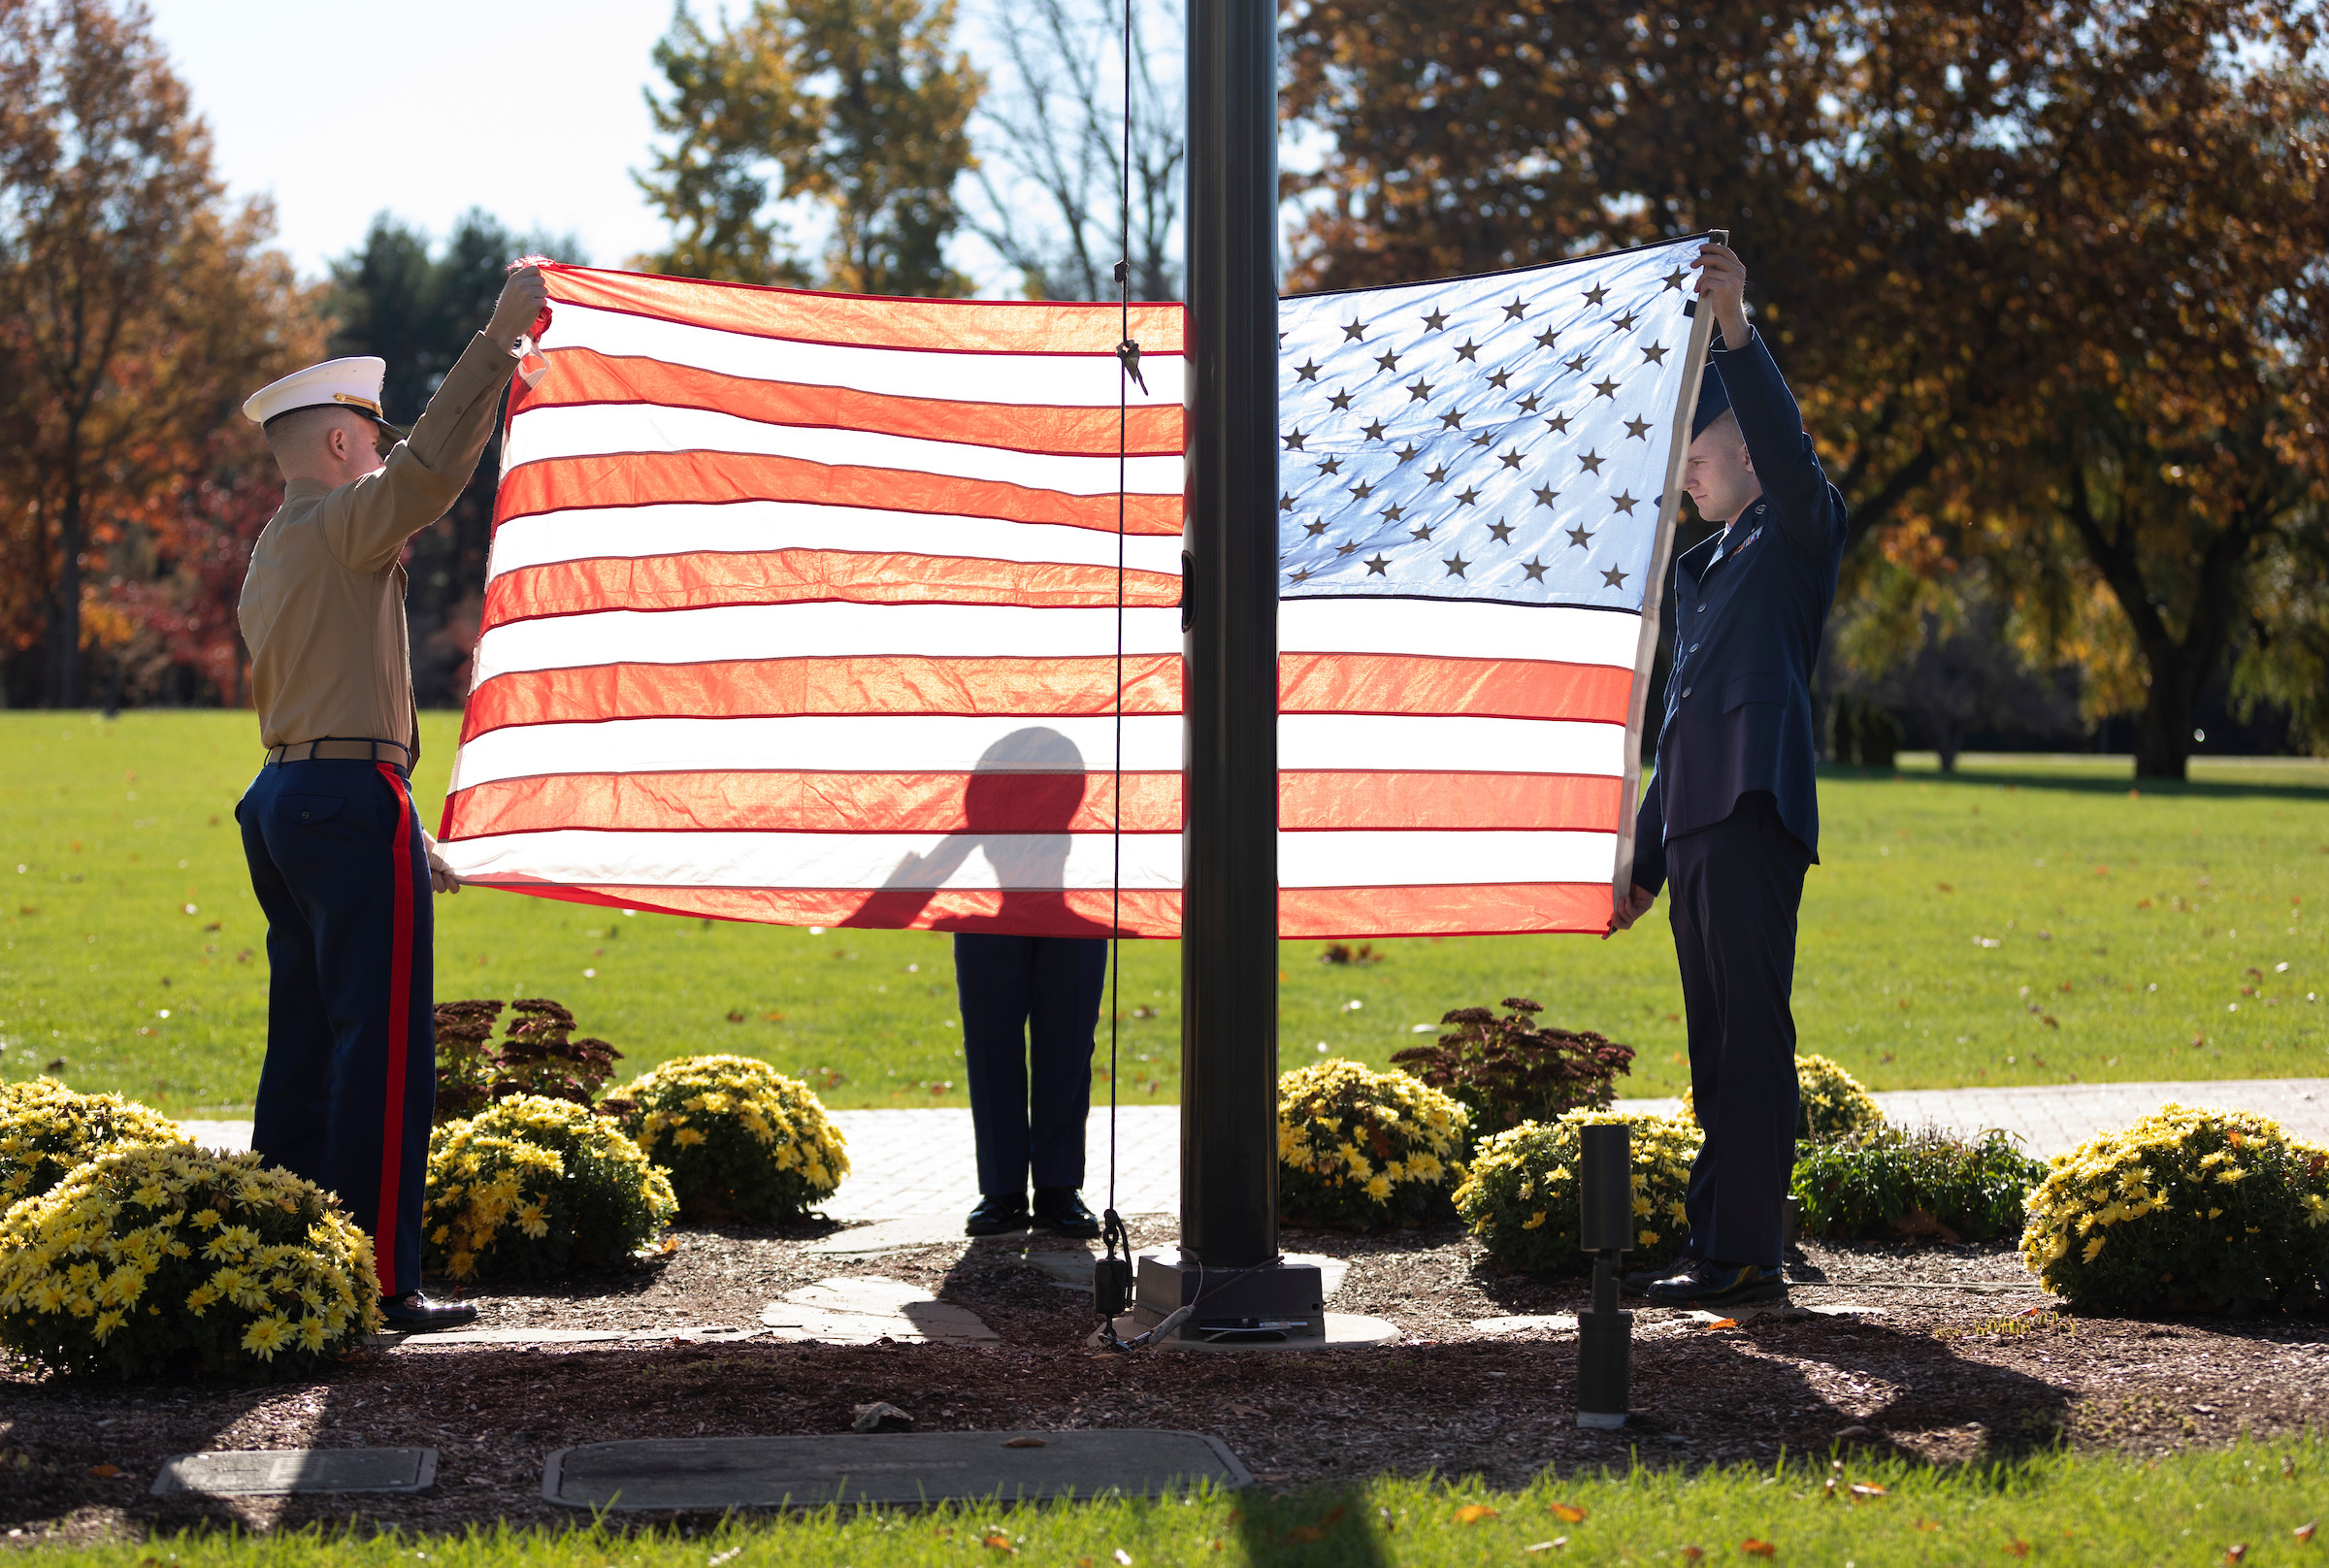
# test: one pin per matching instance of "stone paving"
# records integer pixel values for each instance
(918, 1164)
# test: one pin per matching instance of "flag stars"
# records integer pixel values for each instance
(1285, 503)
(1467, 496)
(1315, 527)
(1301, 574)
(1361, 490)
(1294, 440)
(1342, 551)
(1341, 399)
(1510, 459)
(1500, 380)
(1456, 564)
(1421, 531)
(1374, 430)
(1614, 577)
(1529, 404)
(1591, 462)
(1673, 280)
(1408, 451)
(1558, 423)
(1437, 474)
(1331, 465)
(1390, 361)
(1535, 568)
(1545, 495)
(1637, 429)
(1515, 310)
(1625, 322)
(1578, 364)
(1485, 437)
(1436, 319)
(1501, 530)
(1376, 563)
(1654, 354)
(1451, 420)
(1419, 390)
(1395, 513)
(1607, 388)
(1307, 370)
(1354, 331)
(1545, 339)
(1581, 536)
(1468, 349)
(1596, 294)
(1625, 501)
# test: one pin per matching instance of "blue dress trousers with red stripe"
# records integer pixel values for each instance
(1732, 814)
(349, 1085)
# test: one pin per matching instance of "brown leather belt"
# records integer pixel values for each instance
(341, 751)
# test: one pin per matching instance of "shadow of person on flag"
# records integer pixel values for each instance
(1028, 972)
(1019, 806)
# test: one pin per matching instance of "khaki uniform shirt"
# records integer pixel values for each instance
(324, 604)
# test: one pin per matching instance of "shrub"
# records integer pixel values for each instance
(1508, 1070)
(1360, 1150)
(534, 1187)
(158, 1258)
(1521, 1198)
(1887, 1182)
(2186, 1209)
(738, 1137)
(47, 1131)
(536, 1056)
(1832, 1104)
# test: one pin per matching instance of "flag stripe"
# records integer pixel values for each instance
(950, 326)
(975, 858)
(769, 688)
(617, 532)
(734, 800)
(703, 580)
(884, 742)
(633, 479)
(643, 429)
(588, 377)
(826, 629)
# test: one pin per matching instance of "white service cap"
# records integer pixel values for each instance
(351, 383)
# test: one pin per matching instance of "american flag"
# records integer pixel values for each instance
(804, 608)
(1478, 482)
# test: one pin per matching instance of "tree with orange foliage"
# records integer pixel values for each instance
(2049, 274)
(136, 306)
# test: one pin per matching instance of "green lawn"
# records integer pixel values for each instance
(2191, 1507)
(2022, 922)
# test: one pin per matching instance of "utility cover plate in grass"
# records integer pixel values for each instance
(884, 1467)
(273, 1472)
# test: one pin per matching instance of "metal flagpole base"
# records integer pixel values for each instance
(1274, 1304)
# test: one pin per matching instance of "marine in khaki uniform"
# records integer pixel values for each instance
(338, 855)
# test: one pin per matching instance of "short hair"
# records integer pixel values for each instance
(1724, 427)
(297, 428)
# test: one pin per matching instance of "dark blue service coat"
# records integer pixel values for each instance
(1748, 606)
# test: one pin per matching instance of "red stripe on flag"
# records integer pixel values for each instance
(1479, 909)
(865, 321)
(400, 1025)
(788, 801)
(787, 688)
(705, 579)
(586, 376)
(1478, 688)
(716, 479)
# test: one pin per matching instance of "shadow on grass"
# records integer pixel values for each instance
(2095, 783)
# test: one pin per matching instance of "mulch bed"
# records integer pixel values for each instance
(1952, 1367)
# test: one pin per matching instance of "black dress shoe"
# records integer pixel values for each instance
(1715, 1286)
(1061, 1211)
(997, 1214)
(415, 1314)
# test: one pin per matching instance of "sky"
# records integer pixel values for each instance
(429, 108)
(426, 109)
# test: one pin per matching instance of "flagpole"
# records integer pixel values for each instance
(1662, 554)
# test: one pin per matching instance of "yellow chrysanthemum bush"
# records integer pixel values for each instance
(1360, 1150)
(164, 1257)
(1520, 1197)
(534, 1187)
(737, 1137)
(1832, 1103)
(2186, 1209)
(47, 1131)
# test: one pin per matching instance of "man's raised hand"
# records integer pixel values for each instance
(1723, 285)
(522, 301)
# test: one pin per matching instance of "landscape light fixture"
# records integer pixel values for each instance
(1605, 1230)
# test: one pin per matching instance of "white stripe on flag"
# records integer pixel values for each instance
(1458, 628)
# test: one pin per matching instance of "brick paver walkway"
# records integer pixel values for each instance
(911, 1163)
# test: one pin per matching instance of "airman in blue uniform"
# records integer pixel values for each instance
(1732, 817)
